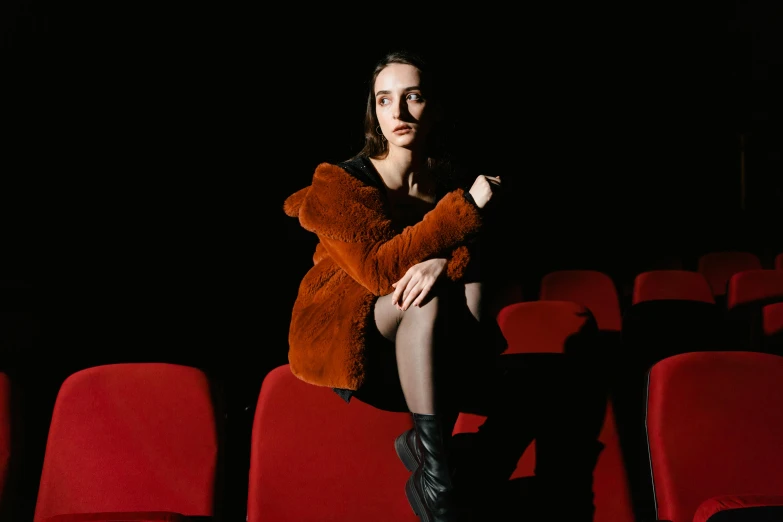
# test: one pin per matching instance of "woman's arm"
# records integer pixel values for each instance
(351, 222)
(377, 263)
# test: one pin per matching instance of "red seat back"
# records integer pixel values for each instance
(5, 431)
(718, 267)
(137, 437)
(542, 326)
(547, 327)
(772, 327)
(147, 516)
(657, 285)
(314, 457)
(751, 287)
(590, 288)
(773, 319)
(714, 428)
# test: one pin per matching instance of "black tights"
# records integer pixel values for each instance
(425, 335)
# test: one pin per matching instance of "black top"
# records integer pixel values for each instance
(363, 169)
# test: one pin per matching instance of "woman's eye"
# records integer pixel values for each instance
(414, 96)
(383, 101)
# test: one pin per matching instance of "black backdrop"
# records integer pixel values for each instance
(148, 149)
(156, 144)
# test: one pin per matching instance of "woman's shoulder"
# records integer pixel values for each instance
(334, 183)
(338, 205)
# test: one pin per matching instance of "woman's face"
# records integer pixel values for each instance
(402, 107)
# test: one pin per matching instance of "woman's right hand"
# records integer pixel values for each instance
(415, 285)
(483, 188)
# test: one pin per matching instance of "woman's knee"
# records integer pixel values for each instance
(429, 311)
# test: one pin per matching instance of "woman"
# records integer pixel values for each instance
(396, 286)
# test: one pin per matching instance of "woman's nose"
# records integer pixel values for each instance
(399, 109)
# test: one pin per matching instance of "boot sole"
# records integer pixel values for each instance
(417, 504)
(404, 452)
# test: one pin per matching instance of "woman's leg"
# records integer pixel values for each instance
(425, 449)
(414, 333)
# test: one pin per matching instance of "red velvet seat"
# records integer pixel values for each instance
(753, 287)
(740, 508)
(772, 324)
(552, 327)
(683, 285)
(748, 293)
(315, 458)
(5, 434)
(131, 440)
(672, 311)
(714, 429)
(718, 267)
(590, 288)
(162, 516)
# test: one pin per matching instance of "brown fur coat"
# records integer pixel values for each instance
(358, 256)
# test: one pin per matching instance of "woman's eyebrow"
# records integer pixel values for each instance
(405, 89)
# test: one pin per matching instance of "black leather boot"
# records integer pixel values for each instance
(407, 443)
(407, 447)
(430, 489)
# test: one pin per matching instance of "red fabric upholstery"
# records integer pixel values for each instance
(590, 288)
(316, 458)
(137, 437)
(656, 285)
(541, 326)
(714, 427)
(158, 516)
(773, 319)
(779, 261)
(5, 430)
(754, 286)
(718, 267)
(714, 505)
(545, 327)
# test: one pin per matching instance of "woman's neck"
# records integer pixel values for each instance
(401, 168)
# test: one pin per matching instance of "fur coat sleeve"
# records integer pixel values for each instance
(358, 257)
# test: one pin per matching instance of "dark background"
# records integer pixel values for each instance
(148, 149)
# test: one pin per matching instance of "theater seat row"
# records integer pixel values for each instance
(669, 296)
(574, 308)
(140, 442)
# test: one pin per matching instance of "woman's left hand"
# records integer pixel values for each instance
(417, 282)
